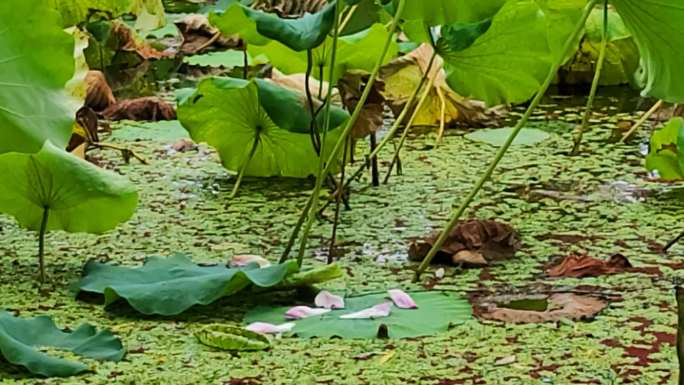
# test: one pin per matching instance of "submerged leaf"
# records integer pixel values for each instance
(234, 338)
(498, 136)
(22, 338)
(328, 300)
(301, 312)
(556, 307)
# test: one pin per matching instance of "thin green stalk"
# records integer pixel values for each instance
(397, 123)
(41, 244)
(456, 215)
(339, 192)
(594, 84)
(243, 168)
(245, 63)
(315, 135)
(347, 129)
(679, 295)
(404, 134)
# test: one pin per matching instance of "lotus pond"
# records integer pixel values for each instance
(341, 192)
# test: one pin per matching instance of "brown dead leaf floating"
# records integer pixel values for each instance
(538, 308)
(371, 119)
(474, 243)
(579, 266)
(200, 36)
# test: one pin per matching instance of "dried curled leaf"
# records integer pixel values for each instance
(579, 266)
(371, 119)
(472, 243)
(99, 95)
(555, 308)
(234, 338)
(403, 75)
(289, 9)
(146, 108)
(199, 35)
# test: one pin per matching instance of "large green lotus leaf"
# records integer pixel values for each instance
(441, 12)
(659, 33)
(561, 18)
(22, 338)
(169, 286)
(665, 151)
(435, 313)
(36, 62)
(300, 34)
(358, 51)
(508, 62)
(79, 196)
(233, 114)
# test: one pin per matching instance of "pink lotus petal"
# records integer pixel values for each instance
(377, 311)
(401, 299)
(329, 300)
(266, 328)
(300, 312)
(246, 259)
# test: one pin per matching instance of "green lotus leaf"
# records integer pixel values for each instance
(22, 338)
(561, 18)
(358, 51)
(665, 151)
(36, 62)
(313, 276)
(78, 196)
(258, 124)
(300, 34)
(506, 64)
(435, 313)
(233, 338)
(442, 12)
(659, 33)
(169, 286)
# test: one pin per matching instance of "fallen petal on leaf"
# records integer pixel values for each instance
(377, 311)
(301, 312)
(439, 273)
(328, 300)
(266, 328)
(401, 299)
(246, 259)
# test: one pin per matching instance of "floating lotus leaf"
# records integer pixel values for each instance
(234, 338)
(22, 338)
(435, 313)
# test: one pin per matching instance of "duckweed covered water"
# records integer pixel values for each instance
(559, 204)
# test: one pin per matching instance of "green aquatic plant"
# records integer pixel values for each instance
(23, 341)
(54, 190)
(666, 151)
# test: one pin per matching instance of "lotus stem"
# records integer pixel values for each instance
(349, 125)
(244, 166)
(41, 244)
(404, 134)
(679, 295)
(642, 120)
(348, 17)
(339, 193)
(375, 173)
(673, 242)
(397, 123)
(456, 215)
(442, 116)
(594, 84)
(315, 136)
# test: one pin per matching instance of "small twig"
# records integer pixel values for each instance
(375, 173)
(209, 42)
(127, 153)
(673, 242)
(442, 117)
(642, 120)
(41, 244)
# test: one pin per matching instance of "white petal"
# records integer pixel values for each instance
(401, 299)
(439, 273)
(300, 312)
(377, 311)
(266, 328)
(246, 259)
(329, 300)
